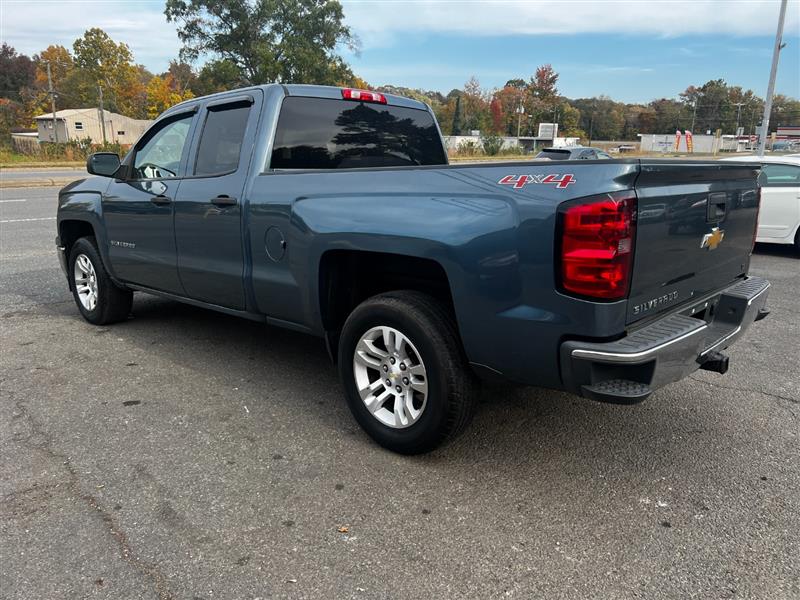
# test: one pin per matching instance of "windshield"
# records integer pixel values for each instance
(321, 133)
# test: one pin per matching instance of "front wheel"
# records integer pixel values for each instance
(406, 378)
(99, 300)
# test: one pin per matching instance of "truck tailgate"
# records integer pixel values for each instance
(694, 234)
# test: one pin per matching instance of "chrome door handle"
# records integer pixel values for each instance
(161, 199)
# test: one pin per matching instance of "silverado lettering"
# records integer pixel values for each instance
(655, 303)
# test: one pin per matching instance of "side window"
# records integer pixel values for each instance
(159, 153)
(780, 175)
(221, 140)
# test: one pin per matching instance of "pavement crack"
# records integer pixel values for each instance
(754, 391)
(39, 439)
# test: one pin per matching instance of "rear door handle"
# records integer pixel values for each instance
(223, 200)
(161, 199)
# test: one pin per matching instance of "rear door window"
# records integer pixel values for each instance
(221, 140)
(323, 133)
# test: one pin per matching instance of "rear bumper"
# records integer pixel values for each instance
(630, 369)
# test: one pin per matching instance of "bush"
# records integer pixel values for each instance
(492, 144)
(76, 149)
(467, 148)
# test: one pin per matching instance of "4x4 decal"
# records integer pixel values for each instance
(520, 181)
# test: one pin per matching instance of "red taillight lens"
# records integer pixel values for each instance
(597, 242)
(363, 96)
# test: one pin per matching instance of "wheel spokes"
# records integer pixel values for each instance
(401, 377)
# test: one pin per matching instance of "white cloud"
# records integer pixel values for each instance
(31, 26)
(379, 22)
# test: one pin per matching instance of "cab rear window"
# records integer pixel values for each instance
(322, 133)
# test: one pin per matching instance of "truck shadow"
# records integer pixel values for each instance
(513, 425)
(776, 250)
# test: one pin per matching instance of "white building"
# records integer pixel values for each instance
(82, 123)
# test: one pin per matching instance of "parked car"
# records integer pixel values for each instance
(573, 153)
(334, 212)
(779, 217)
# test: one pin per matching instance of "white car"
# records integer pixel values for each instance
(779, 217)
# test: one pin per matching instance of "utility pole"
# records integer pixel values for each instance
(520, 112)
(102, 113)
(738, 115)
(776, 53)
(52, 102)
(694, 114)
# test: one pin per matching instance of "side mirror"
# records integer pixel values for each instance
(105, 164)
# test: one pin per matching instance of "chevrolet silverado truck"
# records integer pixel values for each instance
(334, 212)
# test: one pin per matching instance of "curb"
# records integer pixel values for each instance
(45, 182)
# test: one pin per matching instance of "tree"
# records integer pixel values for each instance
(516, 83)
(163, 92)
(474, 106)
(17, 71)
(456, 129)
(183, 75)
(218, 76)
(569, 121)
(496, 108)
(62, 71)
(103, 62)
(289, 41)
(543, 84)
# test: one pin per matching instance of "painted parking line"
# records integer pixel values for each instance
(17, 200)
(27, 220)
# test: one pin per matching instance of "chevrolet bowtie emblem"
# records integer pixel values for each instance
(713, 239)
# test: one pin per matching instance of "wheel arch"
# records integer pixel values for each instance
(342, 285)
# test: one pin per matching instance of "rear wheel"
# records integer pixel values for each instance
(99, 300)
(406, 378)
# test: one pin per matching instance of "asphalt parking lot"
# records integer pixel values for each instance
(188, 454)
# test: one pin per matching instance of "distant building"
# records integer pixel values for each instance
(788, 132)
(82, 123)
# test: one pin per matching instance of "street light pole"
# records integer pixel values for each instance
(776, 53)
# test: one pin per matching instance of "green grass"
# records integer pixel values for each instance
(14, 159)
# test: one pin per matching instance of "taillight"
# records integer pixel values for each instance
(597, 238)
(363, 96)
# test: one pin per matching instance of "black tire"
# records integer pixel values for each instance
(452, 387)
(113, 303)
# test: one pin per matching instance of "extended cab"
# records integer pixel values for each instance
(334, 212)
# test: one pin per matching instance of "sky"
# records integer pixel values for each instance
(630, 50)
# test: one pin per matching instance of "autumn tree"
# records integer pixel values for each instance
(163, 92)
(103, 62)
(543, 84)
(183, 76)
(62, 71)
(289, 41)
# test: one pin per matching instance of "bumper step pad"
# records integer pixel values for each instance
(617, 391)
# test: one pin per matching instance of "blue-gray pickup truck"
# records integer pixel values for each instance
(334, 212)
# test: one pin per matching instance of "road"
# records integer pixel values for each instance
(43, 173)
(188, 454)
